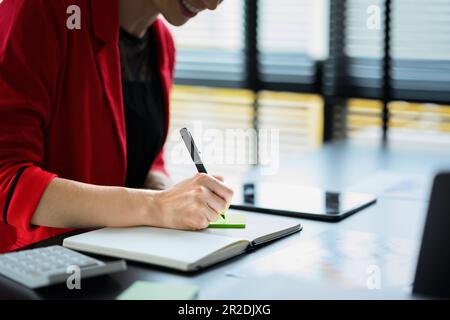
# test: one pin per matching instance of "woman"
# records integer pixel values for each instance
(63, 138)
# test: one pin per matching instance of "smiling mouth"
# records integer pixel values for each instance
(188, 9)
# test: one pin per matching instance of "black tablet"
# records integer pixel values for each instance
(299, 201)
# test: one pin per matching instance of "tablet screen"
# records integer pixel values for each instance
(290, 199)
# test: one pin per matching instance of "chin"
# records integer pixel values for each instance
(176, 21)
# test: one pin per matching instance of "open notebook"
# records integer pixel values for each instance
(183, 250)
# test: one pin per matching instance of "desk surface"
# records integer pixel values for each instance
(336, 166)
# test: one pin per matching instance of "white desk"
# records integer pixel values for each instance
(336, 167)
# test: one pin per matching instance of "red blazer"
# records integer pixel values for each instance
(61, 108)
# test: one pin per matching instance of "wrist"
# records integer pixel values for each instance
(150, 211)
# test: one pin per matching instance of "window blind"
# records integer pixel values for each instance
(297, 119)
(355, 67)
(421, 50)
(408, 121)
(210, 47)
(418, 74)
(221, 121)
(292, 37)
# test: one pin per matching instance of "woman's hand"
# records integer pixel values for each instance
(192, 204)
(157, 181)
(189, 205)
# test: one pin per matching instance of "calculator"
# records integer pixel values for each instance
(47, 266)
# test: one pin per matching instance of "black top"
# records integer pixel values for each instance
(143, 102)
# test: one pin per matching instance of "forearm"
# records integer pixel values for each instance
(189, 205)
(70, 204)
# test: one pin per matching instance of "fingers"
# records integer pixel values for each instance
(214, 201)
(203, 216)
(200, 221)
(220, 178)
(194, 203)
(216, 186)
(211, 214)
(211, 201)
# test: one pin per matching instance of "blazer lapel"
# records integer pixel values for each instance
(105, 24)
(164, 68)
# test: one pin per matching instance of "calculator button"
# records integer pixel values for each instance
(40, 267)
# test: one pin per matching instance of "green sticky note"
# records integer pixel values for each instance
(231, 221)
(144, 290)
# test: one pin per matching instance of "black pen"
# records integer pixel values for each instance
(195, 154)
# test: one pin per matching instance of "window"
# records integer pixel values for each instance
(310, 66)
(292, 38)
(415, 88)
(298, 117)
(420, 123)
(421, 50)
(212, 85)
(210, 47)
(355, 67)
(214, 116)
(408, 121)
